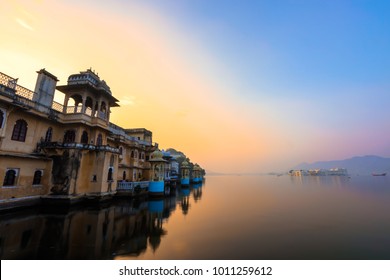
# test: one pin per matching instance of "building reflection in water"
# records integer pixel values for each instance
(155, 226)
(184, 195)
(197, 192)
(125, 227)
(338, 181)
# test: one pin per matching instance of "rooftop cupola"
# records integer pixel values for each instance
(91, 78)
(157, 155)
(196, 167)
(85, 93)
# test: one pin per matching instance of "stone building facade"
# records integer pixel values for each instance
(68, 150)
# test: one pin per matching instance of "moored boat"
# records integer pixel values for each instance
(379, 174)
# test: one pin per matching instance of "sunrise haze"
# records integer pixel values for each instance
(238, 86)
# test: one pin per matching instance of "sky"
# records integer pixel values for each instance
(238, 86)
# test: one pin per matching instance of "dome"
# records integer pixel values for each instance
(197, 167)
(91, 78)
(157, 155)
(185, 164)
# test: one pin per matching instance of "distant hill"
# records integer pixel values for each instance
(363, 165)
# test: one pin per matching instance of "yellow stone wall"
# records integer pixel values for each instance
(36, 129)
(23, 185)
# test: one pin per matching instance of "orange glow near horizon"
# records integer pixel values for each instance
(157, 87)
(166, 82)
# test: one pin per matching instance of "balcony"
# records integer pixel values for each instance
(80, 114)
(23, 97)
(78, 146)
(132, 188)
(120, 134)
(11, 83)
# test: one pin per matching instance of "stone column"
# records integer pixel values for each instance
(66, 100)
(83, 107)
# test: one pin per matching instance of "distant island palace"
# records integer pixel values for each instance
(52, 152)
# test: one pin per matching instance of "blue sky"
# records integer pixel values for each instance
(306, 42)
(295, 49)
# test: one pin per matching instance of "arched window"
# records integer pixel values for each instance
(121, 150)
(103, 107)
(132, 154)
(37, 177)
(124, 176)
(89, 106)
(20, 131)
(99, 140)
(49, 134)
(109, 176)
(84, 137)
(69, 136)
(10, 177)
(2, 118)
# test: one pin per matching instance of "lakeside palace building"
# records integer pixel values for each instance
(64, 152)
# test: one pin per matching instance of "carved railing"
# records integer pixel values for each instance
(8, 81)
(57, 106)
(12, 83)
(24, 92)
(120, 132)
(88, 111)
(132, 188)
(79, 146)
(73, 109)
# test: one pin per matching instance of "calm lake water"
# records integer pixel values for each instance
(228, 217)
